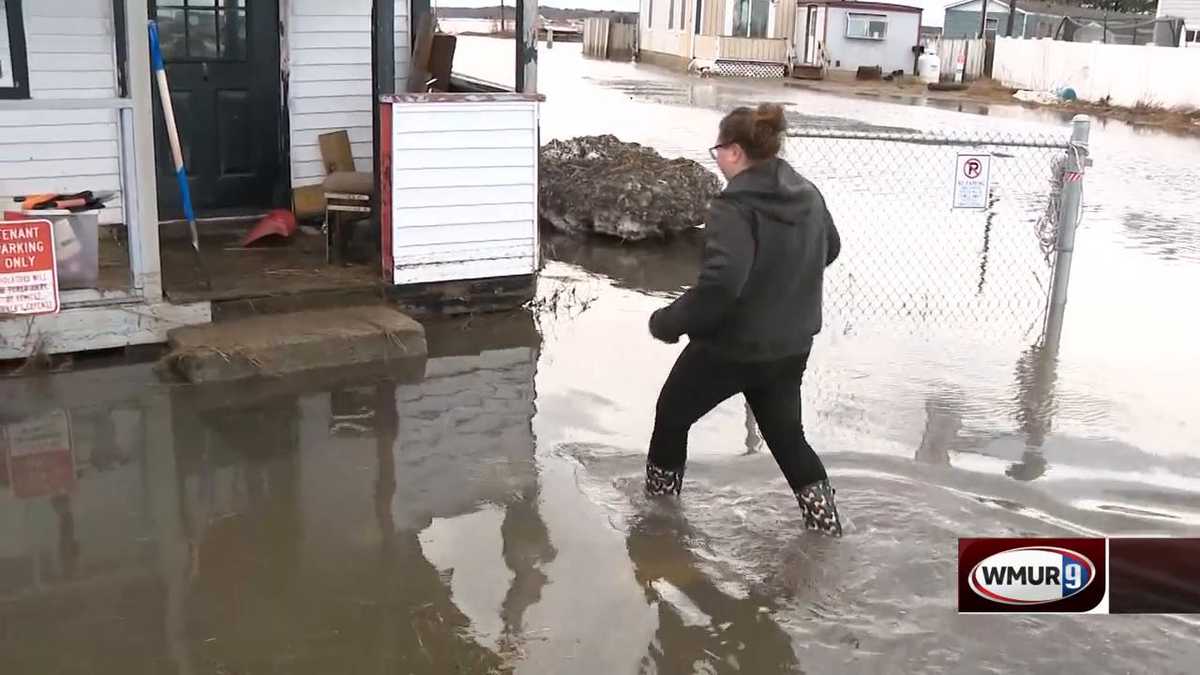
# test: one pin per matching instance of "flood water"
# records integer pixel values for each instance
(482, 513)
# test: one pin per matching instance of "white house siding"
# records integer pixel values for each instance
(892, 53)
(464, 190)
(657, 34)
(1188, 10)
(655, 16)
(329, 45)
(71, 54)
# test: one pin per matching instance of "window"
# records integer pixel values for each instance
(671, 16)
(750, 18)
(14, 69)
(202, 30)
(866, 26)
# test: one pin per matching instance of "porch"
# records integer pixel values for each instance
(742, 56)
(103, 130)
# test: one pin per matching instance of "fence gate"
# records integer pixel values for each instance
(952, 246)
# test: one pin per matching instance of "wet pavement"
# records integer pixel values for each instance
(483, 514)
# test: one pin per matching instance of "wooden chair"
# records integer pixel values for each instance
(347, 200)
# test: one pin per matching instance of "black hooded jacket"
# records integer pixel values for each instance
(768, 240)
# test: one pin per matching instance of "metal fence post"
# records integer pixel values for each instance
(1068, 220)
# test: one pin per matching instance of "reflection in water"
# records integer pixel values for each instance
(1036, 374)
(238, 543)
(1172, 238)
(701, 627)
(754, 440)
(728, 96)
(943, 422)
(653, 267)
(68, 544)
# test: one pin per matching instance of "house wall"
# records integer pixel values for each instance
(661, 34)
(753, 49)
(1129, 74)
(71, 54)
(329, 50)
(712, 21)
(658, 37)
(785, 20)
(892, 53)
(963, 22)
(1188, 10)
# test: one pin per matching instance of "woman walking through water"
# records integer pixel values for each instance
(752, 314)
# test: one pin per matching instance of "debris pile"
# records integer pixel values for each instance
(625, 190)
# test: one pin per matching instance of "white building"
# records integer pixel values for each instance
(255, 86)
(1189, 11)
(770, 37)
(851, 35)
(746, 36)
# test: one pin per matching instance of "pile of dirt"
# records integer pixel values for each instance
(601, 185)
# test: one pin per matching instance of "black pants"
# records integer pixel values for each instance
(701, 380)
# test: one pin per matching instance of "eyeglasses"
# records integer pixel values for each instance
(713, 150)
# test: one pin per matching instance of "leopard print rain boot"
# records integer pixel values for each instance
(819, 507)
(663, 482)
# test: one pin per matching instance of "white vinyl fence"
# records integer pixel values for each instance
(1124, 74)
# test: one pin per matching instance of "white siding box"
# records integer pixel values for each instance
(460, 186)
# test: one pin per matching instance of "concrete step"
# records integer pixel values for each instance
(806, 72)
(293, 343)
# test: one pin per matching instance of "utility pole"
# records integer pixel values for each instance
(983, 20)
(1012, 16)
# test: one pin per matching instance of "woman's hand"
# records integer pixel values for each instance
(658, 330)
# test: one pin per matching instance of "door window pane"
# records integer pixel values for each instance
(202, 30)
(233, 34)
(741, 18)
(750, 18)
(758, 18)
(202, 33)
(172, 33)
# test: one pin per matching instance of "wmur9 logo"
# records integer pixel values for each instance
(1031, 575)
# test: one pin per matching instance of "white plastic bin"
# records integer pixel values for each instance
(76, 245)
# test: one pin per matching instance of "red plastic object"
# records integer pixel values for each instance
(279, 222)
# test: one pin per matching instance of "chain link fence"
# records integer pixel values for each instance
(914, 263)
(933, 311)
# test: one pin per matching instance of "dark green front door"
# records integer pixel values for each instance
(222, 59)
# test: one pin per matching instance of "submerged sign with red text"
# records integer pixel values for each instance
(1031, 575)
(28, 268)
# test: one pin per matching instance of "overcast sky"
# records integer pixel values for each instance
(933, 16)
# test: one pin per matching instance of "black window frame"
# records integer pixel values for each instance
(19, 53)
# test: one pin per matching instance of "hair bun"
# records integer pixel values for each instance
(759, 132)
(770, 115)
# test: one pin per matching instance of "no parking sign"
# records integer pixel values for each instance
(972, 180)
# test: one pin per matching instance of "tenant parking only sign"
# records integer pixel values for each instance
(28, 269)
